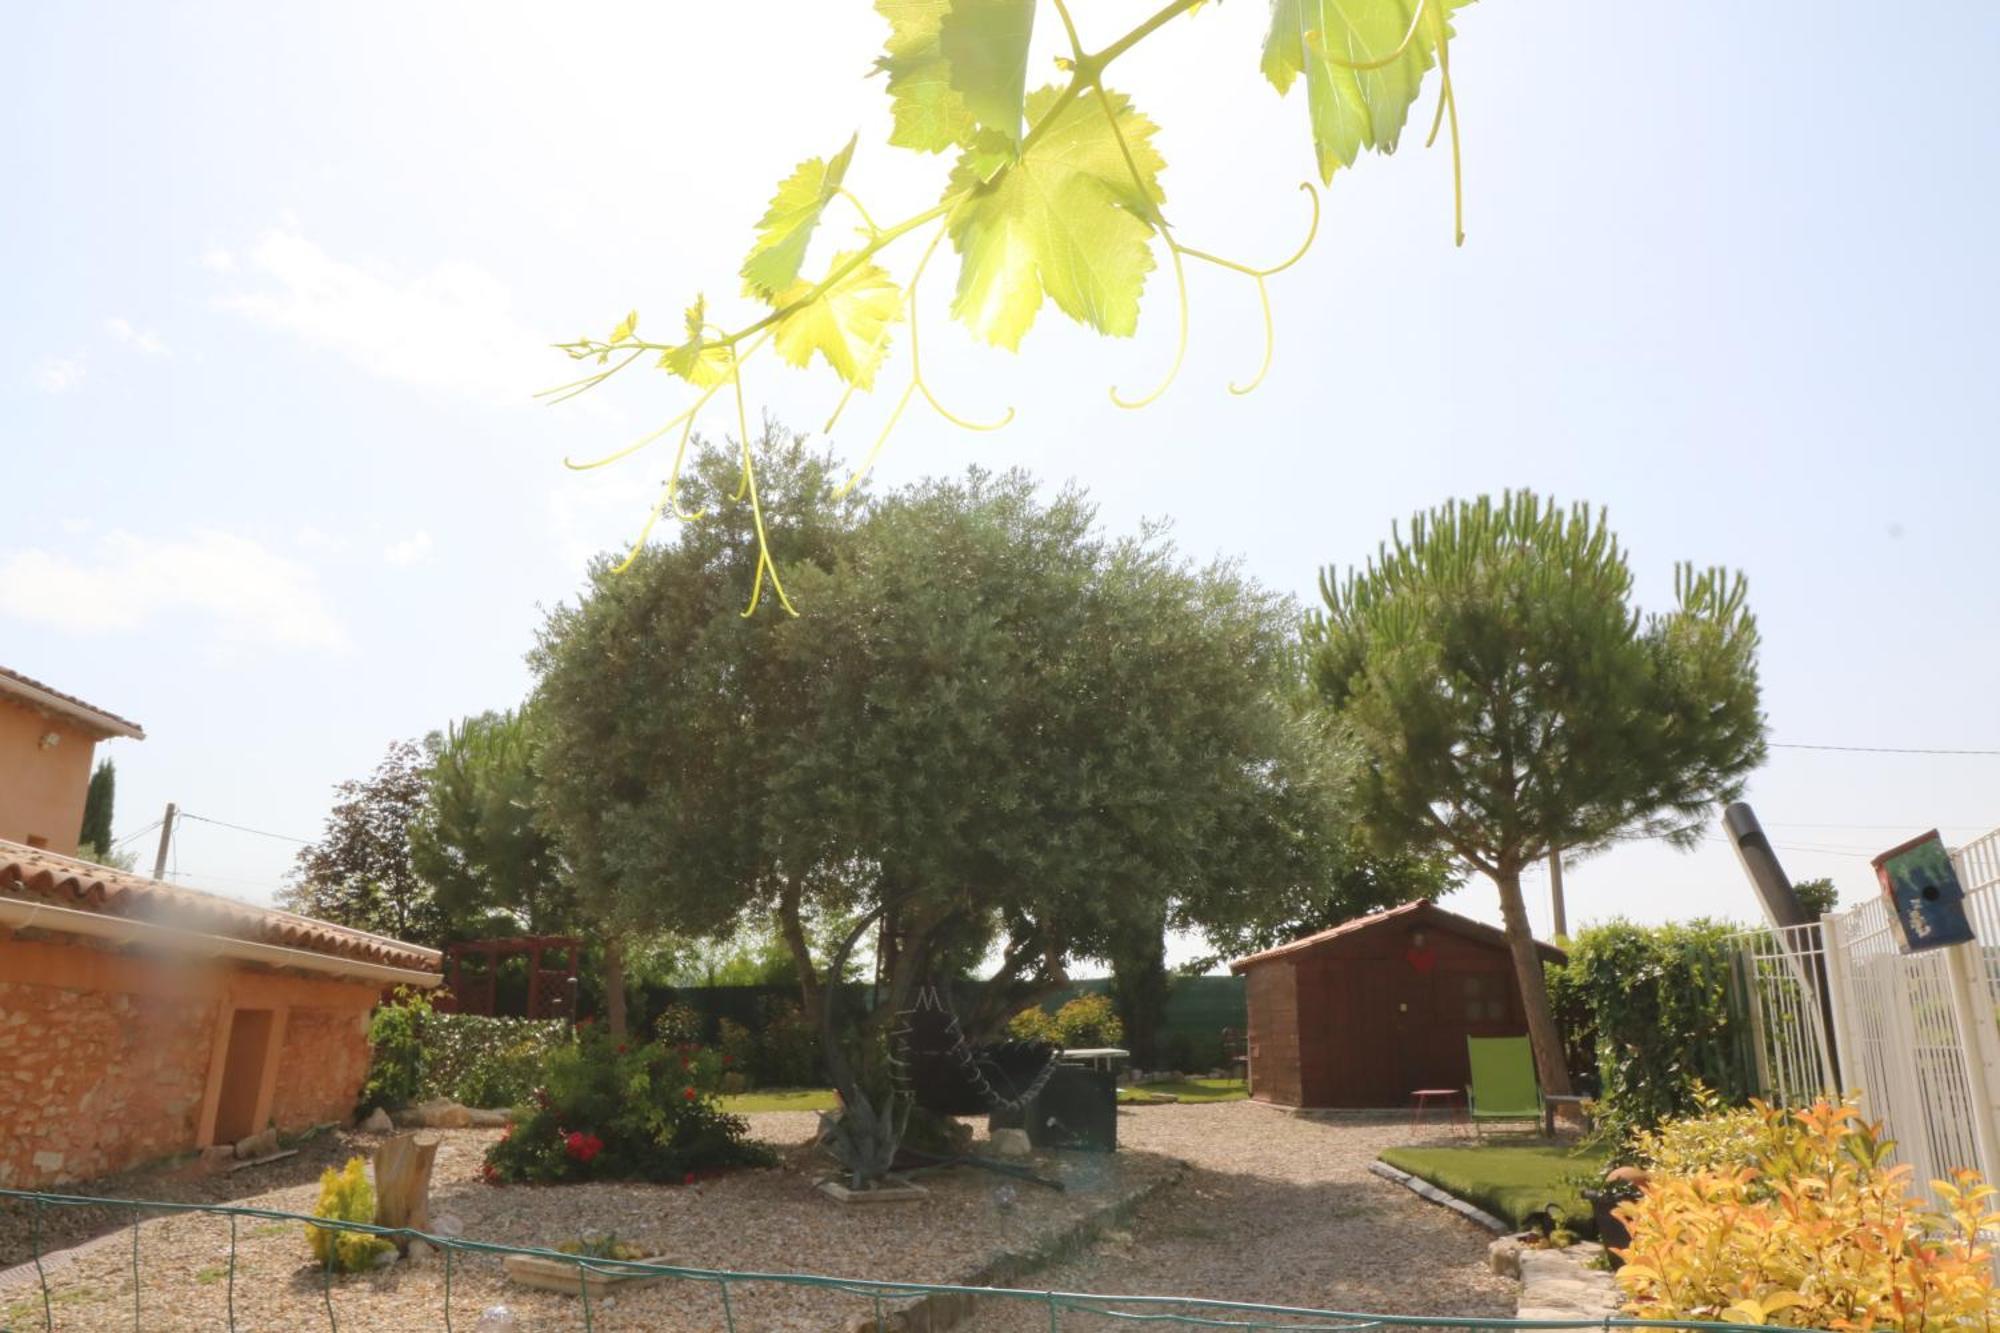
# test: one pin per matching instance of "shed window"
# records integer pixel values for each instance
(1483, 997)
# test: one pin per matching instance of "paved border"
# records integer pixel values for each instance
(1425, 1190)
(56, 1260)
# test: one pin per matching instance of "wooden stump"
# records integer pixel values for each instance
(403, 1184)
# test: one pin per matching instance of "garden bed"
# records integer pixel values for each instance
(761, 1220)
(1513, 1182)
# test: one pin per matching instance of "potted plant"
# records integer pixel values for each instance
(550, 1274)
(1620, 1185)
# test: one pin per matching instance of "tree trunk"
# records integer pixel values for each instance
(403, 1184)
(614, 987)
(791, 927)
(1549, 1064)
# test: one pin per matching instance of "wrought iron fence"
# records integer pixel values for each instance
(884, 1298)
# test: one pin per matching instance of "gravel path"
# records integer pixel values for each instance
(1277, 1210)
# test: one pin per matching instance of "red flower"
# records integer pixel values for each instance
(688, 1179)
(583, 1146)
(583, 1022)
(687, 1094)
(622, 1048)
(489, 1173)
(728, 1060)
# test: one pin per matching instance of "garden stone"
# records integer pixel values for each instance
(378, 1122)
(422, 1252)
(1503, 1256)
(447, 1224)
(488, 1119)
(1009, 1142)
(257, 1145)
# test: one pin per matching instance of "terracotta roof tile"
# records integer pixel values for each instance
(30, 872)
(33, 692)
(1430, 911)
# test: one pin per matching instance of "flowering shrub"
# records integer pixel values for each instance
(1819, 1231)
(1086, 1021)
(624, 1110)
(345, 1196)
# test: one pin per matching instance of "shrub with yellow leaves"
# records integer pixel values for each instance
(1821, 1231)
(345, 1196)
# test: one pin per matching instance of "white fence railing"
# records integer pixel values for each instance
(1916, 1035)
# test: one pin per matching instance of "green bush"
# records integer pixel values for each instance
(787, 1045)
(678, 1025)
(1649, 1005)
(483, 1061)
(395, 1038)
(1086, 1021)
(621, 1110)
(738, 1047)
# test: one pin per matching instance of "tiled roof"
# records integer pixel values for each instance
(1431, 914)
(28, 690)
(31, 873)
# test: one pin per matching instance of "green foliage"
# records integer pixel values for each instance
(621, 1110)
(1715, 1136)
(1125, 746)
(738, 1047)
(396, 1043)
(475, 841)
(1817, 897)
(1508, 700)
(1086, 1021)
(787, 1048)
(678, 1025)
(479, 1061)
(1653, 1002)
(606, 1245)
(99, 800)
(345, 1196)
(1050, 195)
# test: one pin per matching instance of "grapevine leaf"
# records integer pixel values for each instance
(700, 364)
(847, 324)
(1352, 109)
(626, 327)
(1069, 220)
(788, 224)
(985, 43)
(930, 114)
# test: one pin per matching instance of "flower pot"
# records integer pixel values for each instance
(1611, 1229)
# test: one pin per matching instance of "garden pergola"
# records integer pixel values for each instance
(472, 969)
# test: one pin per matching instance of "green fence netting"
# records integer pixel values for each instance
(883, 1297)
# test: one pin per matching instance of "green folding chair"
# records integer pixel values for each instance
(1503, 1082)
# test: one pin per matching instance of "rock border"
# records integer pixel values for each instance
(1423, 1189)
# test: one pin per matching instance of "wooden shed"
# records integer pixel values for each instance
(1366, 1013)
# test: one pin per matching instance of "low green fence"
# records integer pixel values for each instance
(882, 1297)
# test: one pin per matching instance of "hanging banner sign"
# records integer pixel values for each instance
(1921, 888)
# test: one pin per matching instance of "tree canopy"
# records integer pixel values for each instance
(360, 873)
(1508, 700)
(1005, 731)
(99, 800)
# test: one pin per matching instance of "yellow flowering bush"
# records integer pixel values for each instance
(345, 1196)
(1821, 1233)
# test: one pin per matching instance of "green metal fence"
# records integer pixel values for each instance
(882, 1297)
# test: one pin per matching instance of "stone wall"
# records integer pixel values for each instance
(91, 1081)
(324, 1065)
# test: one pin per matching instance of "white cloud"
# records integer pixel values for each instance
(409, 551)
(451, 328)
(248, 594)
(145, 340)
(218, 260)
(58, 374)
(313, 539)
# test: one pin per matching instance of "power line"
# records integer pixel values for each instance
(120, 842)
(240, 828)
(1877, 749)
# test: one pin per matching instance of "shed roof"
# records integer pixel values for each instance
(48, 699)
(1421, 912)
(34, 874)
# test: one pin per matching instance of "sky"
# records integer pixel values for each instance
(280, 281)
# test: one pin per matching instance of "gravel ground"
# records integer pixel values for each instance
(1277, 1210)
(769, 1221)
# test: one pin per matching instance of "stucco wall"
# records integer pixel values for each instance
(107, 1061)
(42, 790)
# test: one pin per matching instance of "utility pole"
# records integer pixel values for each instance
(1556, 893)
(166, 838)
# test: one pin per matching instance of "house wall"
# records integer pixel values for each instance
(107, 1061)
(42, 790)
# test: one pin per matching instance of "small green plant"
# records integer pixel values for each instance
(1086, 1021)
(396, 1036)
(345, 1196)
(738, 1048)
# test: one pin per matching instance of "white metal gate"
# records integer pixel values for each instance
(1916, 1035)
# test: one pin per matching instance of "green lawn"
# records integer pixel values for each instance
(781, 1099)
(1508, 1180)
(1188, 1090)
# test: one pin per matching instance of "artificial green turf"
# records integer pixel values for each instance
(780, 1099)
(1510, 1181)
(1188, 1090)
